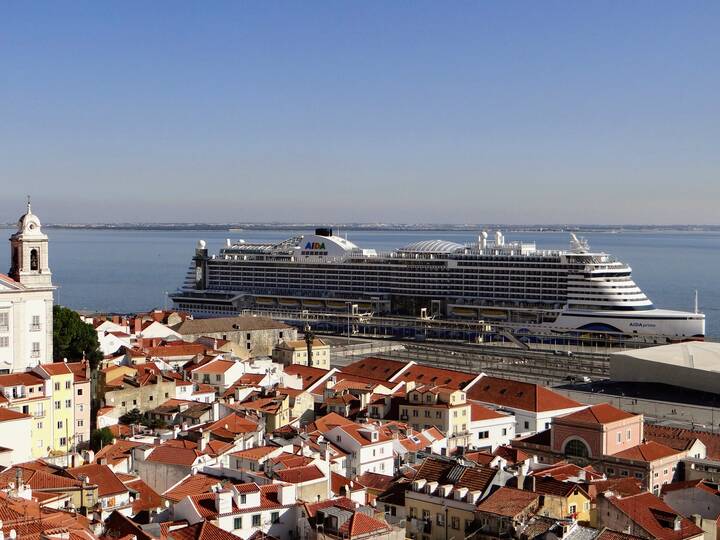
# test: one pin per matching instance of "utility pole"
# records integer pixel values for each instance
(309, 337)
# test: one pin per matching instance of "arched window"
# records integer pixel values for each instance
(34, 259)
(577, 448)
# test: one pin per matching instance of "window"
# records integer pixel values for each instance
(81, 407)
(166, 394)
(67, 385)
(256, 520)
(427, 414)
(39, 425)
(68, 403)
(572, 508)
(4, 341)
(610, 470)
(247, 345)
(151, 398)
(454, 414)
(665, 471)
(247, 336)
(63, 441)
(440, 519)
(623, 472)
(639, 475)
(57, 386)
(280, 335)
(238, 523)
(438, 414)
(455, 522)
(547, 425)
(527, 425)
(629, 434)
(504, 431)
(57, 405)
(34, 259)
(243, 499)
(415, 413)
(79, 392)
(4, 322)
(483, 435)
(35, 350)
(122, 403)
(35, 325)
(80, 423)
(413, 512)
(134, 401)
(59, 424)
(274, 517)
(577, 448)
(619, 437)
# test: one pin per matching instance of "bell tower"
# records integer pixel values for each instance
(29, 253)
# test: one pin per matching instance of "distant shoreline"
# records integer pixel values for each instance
(397, 227)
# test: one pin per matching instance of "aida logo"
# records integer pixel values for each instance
(315, 245)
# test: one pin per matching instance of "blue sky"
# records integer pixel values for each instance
(463, 112)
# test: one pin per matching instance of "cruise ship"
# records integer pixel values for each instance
(513, 284)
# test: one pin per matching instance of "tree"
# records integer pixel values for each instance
(101, 437)
(133, 416)
(73, 338)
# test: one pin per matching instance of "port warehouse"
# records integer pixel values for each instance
(691, 365)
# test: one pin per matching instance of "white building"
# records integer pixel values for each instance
(26, 300)
(368, 448)
(490, 428)
(15, 440)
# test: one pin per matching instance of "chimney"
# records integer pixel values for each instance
(137, 326)
(286, 494)
(223, 501)
(582, 475)
(677, 523)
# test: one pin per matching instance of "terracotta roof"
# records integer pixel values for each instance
(377, 368)
(256, 453)
(655, 516)
(192, 485)
(205, 503)
(327, 422)
(56, 368)
(232, 425)
(228, 324)
(204, 530)
(609, 534)
(512, 455)
(480, 412)
(6, 415)
(702, 485)
(649, 451)
(339, 502)
(299, 475)
(108, 484)
(376, 481)
(423, 374)
(27, 378)
(117, 452)
(146, 498)
(356, 431)
(566, 471)
(38, 479)
(309, 375)
(508, 502)
(175, 350)
(603, 413)
(519, 395)
(361, 525)
(547, 485)
(300, 344)
(174, 455)
(682, 439)
(216, 366)
(620, 485)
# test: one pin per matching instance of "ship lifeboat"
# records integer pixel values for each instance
(264, 301)
(464, 312)
(313, 303)
(289, 302)
(493, 314)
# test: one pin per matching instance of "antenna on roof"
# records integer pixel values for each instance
(696, 301)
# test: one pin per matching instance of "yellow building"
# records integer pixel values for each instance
(59, 379)
(442, 499)
(29, 393)
(296, 352)
(442, 407)
(561, 500)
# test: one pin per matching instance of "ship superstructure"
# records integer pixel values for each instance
(510, 283)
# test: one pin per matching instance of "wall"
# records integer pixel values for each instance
(15, 435)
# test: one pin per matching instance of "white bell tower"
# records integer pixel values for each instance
(29, 253)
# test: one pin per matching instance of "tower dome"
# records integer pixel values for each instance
(29, 224)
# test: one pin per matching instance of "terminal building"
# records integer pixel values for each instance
(693, 365)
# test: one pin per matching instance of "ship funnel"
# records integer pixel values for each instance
(499, 241)
(482, 240)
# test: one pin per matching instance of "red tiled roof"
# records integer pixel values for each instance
(146, 498)
(327, 422)
(480, 412)
(376, 481)
(511, 455)
(649, 451)
(423, 374)
(256, 453)
(108, 483)
(204, 530)
(215, 366)
(56, 368)
(6, 415)
(192, 485)
(339, 502)
(655, 516)
(602, 413)
(299, 475)
(117, 452)
(701, 484)
(508, 502)
(565, 471)
(443, 472)
(519, 395)
(377, 368)
(682, 439)
(609, 534)
(620, 485)
(174, 455)
(361, 525)
(309, 375)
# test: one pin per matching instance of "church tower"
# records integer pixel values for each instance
(29, 253)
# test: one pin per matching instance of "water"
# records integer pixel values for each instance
(128, 271)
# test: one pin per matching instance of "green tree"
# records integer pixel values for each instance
(133, 416)
(73, 338)
(100, 437)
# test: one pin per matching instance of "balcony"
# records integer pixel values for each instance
(34, 327)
